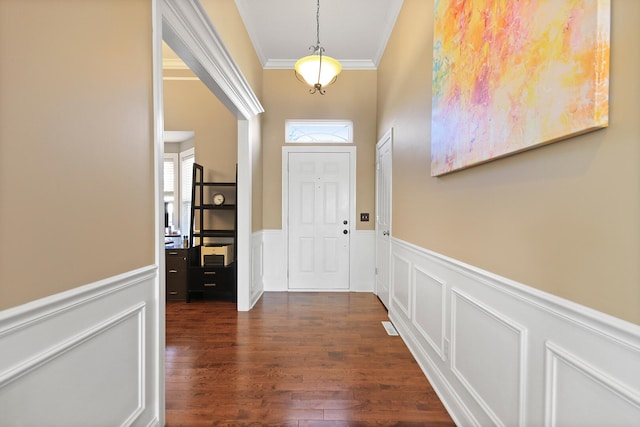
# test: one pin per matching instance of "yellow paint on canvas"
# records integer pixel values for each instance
(512, 75)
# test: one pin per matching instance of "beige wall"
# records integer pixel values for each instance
(190, 105)
(76, 144)
(256, 170)
(562, 218)
(352, 97)
(213, 150)
(228, 23)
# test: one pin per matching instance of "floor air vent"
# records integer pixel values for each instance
(391, 330)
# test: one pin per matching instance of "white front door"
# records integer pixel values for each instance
(318, 220)
(383, 216)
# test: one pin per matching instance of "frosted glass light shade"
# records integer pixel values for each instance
(307, 68)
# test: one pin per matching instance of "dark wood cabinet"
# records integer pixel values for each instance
(177, 273)
(214, 282)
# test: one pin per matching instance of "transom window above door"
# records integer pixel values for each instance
(319, 131)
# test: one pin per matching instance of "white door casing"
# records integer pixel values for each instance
(383, 216)
(187, 29)
(318, 213)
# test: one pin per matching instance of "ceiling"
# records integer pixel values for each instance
(355, 32)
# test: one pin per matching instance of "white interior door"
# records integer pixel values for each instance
(383, 217)
(318, 220)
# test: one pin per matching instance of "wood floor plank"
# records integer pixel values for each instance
(296, 359)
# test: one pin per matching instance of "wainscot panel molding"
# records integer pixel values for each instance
(256, 287)
(272, 264)
(430, 320)
(498, 385)
(401, 278)
(87, 356)
(274, 261)
(501, 353)
(363, 261)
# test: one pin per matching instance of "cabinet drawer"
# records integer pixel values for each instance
(218, 279)
(176, 274)
(176, 294)
(176, 259)
(176, 284)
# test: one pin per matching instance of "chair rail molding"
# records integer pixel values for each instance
(499, 352)
(85, 356)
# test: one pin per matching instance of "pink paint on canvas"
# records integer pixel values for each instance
(513, 75)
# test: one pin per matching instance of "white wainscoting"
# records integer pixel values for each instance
(256, 287)
(502, 353)
(271, 266)
(85, 357)
(363, 261)
(274, 261)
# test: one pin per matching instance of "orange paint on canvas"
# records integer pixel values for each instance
(513, 75)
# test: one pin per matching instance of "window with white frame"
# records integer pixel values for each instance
(319, 131)
(187, 159)
(178, 170)
(170, 183)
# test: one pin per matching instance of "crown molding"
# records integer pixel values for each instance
(180, 79)
(245, 14)
(387, 29)
(188, 31)
(173, 64)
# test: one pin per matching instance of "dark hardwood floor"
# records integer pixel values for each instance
(296, 359)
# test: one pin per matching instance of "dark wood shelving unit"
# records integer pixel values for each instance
(212, 281)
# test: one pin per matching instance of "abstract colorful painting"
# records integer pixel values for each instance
(510, 75)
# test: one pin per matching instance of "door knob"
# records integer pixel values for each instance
(385, 233)
(345, 231)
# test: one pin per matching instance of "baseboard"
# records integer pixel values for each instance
(501, 353)
(452, 402)
(255, 298)
(86, 356)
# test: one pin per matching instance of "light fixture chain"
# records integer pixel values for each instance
(318, 86)
(318, 25)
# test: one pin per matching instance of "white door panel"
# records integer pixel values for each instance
(319, 208)
(383, 217)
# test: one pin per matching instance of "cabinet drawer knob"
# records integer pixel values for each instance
(173, 293)
(209, 273)
(210, 285)
(173, 271)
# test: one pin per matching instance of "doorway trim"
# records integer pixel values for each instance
(320, 149)
(187, 29)
(189, 32)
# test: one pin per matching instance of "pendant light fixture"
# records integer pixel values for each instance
(317, 70)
